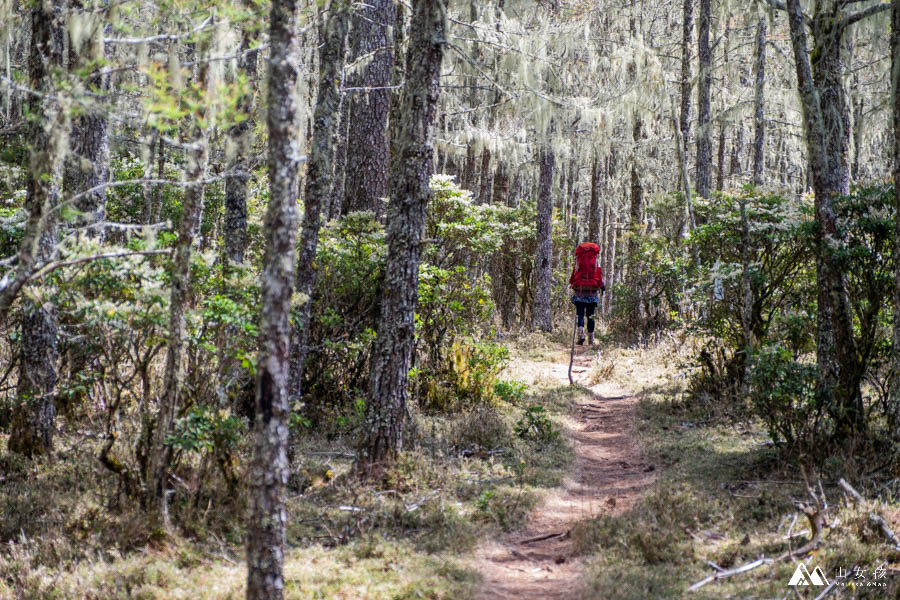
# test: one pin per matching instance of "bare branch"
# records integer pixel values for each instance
(165, 37)
(49, 267)
(866, 12)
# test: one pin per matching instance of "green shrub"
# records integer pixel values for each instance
(784, 397)
(536, 425)
(510, 391)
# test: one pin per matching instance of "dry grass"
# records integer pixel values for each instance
(68, 533)
(723, 495)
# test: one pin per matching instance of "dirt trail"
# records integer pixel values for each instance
(608, 475)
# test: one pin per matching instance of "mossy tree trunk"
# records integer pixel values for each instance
(318, 176)
(368, 147)
(33, 419)
(704, 83)
(411, 167)
(827, 127)
(895, 106)
(269, 465)
(240, 139)
(759, 104)
(543, 258)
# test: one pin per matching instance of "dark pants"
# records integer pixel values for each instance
(585, 309)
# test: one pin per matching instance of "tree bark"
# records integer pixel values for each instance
(411, 167)
(33, 419)
(720, 169)
(759, 104)
(684, 119)
(827, 127)
(858, 120)
(269, 466)
(486, 185)
(240, 138)
(704, 146)
(737, 148)
(195, 143)
(895, 110)
(681, 152)
(511, 265)
(368, 146)
(88, 165)
(595, 211)
(637, 188)
(543, 259)
(318, 176)
(338, 189)
(609, 270)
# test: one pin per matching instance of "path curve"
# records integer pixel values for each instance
(608, 475)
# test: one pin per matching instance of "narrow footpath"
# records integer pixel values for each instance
(608, 475)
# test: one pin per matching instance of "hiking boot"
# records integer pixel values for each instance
(590, 338)
(580, 335)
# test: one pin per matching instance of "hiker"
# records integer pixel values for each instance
(586, 282)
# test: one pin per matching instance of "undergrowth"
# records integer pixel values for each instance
(69, 533)
(725, 496)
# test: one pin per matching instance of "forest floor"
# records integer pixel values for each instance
(609, 473)
(648, 490)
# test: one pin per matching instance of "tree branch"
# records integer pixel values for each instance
(866, 12)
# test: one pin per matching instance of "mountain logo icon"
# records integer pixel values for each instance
(803, 577)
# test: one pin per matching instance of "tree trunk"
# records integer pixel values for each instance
(595, 210)
(87, 169)
(827, 128)
(499, 281)
(484, 195)
(153, 146)
(684, 119)
(469, 176)
(240, 138)
(681, 152)
(543, 268)
(637, 188)
(704, 147)
(609, 271)
(858, 107)
(895, 106)
(368, 146)
(269, 466)
(411, 167)
(511, 265)
(33, 419)
(338, 189)
(318, 176)
(737, 148)
(195, 143)
(746, 298)
(720, 169)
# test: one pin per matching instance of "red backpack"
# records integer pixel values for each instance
(587, 276)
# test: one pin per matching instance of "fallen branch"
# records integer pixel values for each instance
(415, 505)
(735, 571)
(878, 522)
(875, 520)
(335, 454)
(857, 497)
(541, 538)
